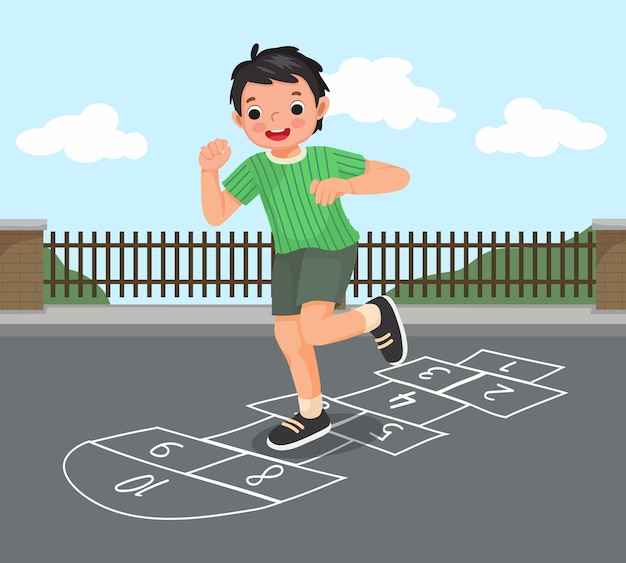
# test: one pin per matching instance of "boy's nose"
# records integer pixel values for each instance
(272, 116)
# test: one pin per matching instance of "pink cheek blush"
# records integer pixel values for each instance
(298, 123)
(259, 128)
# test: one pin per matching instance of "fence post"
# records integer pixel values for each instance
(610, 263)
(21, 264)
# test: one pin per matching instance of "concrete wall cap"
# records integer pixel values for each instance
(608, 224)
(23, 224)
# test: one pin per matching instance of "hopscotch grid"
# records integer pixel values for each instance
(187, 474)
(142, 517)
(242, 452)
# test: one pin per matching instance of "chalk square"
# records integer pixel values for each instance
(402, 402)
(503, 396)
(253, 437)
(286, 406)
(138, 489)
(272, 478)
(167, 448)
(508, 365)
(428, 373)
(387, 435)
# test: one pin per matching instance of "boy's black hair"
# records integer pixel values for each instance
(279, 63)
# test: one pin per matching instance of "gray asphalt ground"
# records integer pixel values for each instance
(543, 485)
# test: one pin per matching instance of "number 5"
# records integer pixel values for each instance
(386, 432)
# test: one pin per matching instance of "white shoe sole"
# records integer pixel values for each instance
(402, 331)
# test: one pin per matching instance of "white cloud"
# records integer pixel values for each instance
(370, 91)
(88, 137)
(536, 132)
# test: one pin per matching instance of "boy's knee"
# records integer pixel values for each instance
(312, 332)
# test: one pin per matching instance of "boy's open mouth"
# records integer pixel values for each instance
(277, 134)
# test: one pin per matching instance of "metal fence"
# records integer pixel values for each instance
(415, 263)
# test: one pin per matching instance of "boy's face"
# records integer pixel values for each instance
(279, 115)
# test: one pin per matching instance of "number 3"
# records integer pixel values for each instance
(430, 372)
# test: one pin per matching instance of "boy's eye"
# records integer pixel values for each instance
(297, 108)
(254, 112)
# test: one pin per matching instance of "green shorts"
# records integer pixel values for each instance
(310, 274)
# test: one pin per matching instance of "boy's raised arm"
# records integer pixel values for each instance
(217, 204)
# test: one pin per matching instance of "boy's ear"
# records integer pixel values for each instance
(237, 119)
(322, 106)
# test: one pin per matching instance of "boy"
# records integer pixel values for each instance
(279, 102)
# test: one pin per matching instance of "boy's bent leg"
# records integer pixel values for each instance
(321, 327)
(378, 316)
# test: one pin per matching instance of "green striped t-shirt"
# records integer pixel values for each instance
(284, 186)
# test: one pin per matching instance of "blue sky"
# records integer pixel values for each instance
(165, 69)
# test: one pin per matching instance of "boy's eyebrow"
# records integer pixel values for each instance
(250, 99)
(296, 93)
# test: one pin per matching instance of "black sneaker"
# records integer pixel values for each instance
(298, 431)
(390, 334)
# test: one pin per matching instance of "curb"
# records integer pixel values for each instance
(257, 320)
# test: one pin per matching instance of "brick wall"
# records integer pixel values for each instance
(610, 263)
(21, 264)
